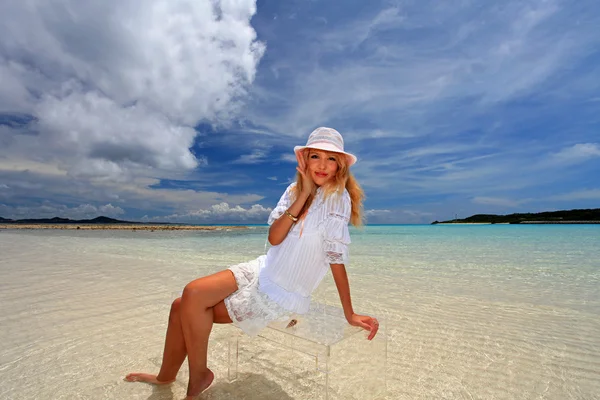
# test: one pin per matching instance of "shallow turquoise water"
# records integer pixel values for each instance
(550, 264)
(483, 312)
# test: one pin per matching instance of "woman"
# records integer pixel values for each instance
(308, 233)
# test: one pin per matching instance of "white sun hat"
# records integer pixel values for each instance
(327, 139)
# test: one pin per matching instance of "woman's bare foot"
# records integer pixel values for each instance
(199, 385)
(148, 378)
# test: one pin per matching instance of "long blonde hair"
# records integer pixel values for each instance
(343, 179)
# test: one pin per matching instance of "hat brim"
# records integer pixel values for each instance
(328, 147)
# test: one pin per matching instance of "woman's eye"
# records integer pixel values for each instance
(331, 158)
(314, 156)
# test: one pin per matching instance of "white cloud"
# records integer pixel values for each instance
(289, 158)
(3, 186)
(272, 178)
(219, 213)
(102, 138)
(257, 156)
(111, 91)
(133, 191)
(369, 213)
(121, 83)
(15, 164)
(109, 209)
(577, 153)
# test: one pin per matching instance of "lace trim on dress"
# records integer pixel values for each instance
(276, 214)
(282, 205)
(336, 252)
(334, 258)
(249, 308)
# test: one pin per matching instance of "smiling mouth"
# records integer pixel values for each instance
(320, 174)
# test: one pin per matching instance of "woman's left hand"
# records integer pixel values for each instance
(365, 322)
(308, 185)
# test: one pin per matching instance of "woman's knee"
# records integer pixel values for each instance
(175, 306)
(192, 290)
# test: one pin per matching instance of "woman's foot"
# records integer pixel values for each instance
(200, 384)
(148, 378)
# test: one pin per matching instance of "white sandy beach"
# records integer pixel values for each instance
(79, 311)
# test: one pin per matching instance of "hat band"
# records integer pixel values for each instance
(326, 138)
(326, 142)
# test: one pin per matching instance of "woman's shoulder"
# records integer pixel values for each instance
(290, 187)
(338, 200)
(341, 194)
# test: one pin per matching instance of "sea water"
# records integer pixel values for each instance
(470, 311)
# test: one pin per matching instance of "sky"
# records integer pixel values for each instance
(188, 111)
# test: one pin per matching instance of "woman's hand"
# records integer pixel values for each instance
(365, 322)
(308, 185)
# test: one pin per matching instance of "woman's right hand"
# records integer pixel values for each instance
(308, 185)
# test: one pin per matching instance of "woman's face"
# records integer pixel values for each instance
(322, 166)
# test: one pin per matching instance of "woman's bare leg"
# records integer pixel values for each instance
(175, 349)
(197, 317)
(173, 354)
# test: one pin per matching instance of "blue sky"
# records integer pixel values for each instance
(187, 111)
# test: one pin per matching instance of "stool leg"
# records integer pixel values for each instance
(232, 362)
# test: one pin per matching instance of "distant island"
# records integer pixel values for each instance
(585, 216)
(57, 220)
(101, 223)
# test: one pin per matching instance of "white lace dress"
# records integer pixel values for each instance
(280, 283)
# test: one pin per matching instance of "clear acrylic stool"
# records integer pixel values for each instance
(347, 366)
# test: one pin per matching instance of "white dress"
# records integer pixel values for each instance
(280, 283)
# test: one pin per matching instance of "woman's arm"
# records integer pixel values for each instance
(343, 286)
(280, 228)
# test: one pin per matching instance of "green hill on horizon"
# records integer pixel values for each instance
(58, 220)
(590, 216)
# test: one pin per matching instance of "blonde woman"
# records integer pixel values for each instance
(309, 235)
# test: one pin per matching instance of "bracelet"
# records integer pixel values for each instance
(294, 219)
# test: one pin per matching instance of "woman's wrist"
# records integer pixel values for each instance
(293, 218)
(304, 196)
(300, 201)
